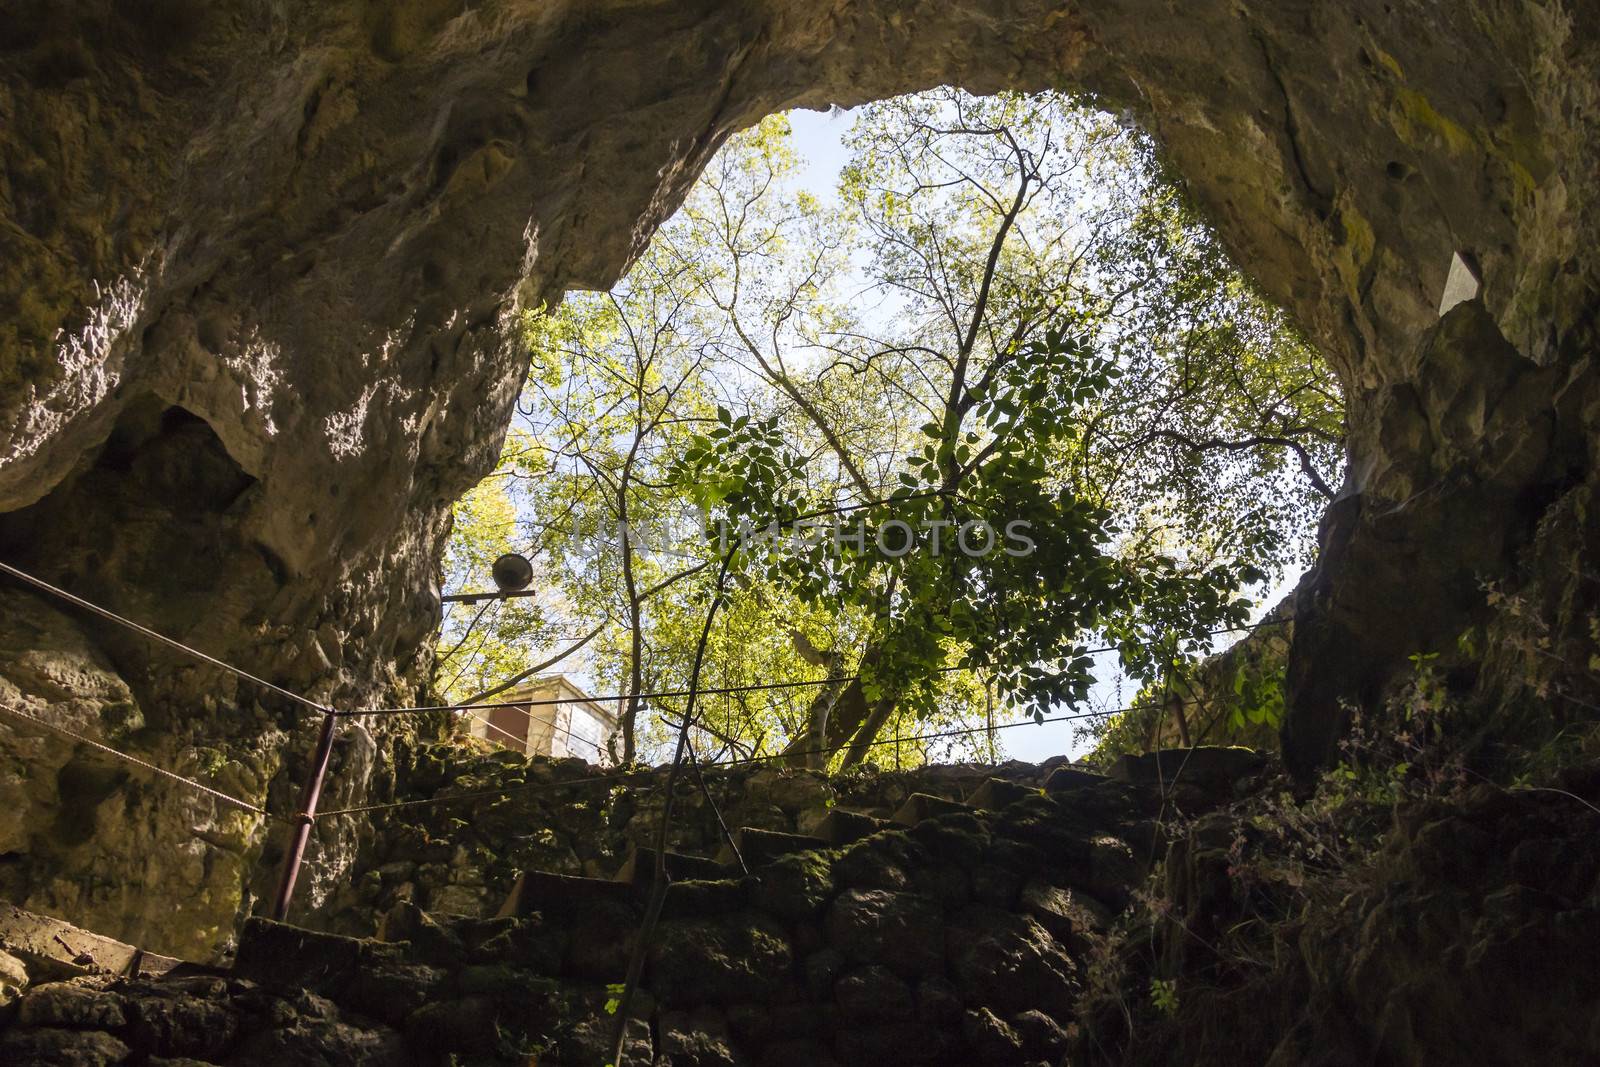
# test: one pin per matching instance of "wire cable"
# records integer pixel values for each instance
(466, 709)
(760, 687)
(106, 613)
(126, 757)
(652, 772)
(526, 787)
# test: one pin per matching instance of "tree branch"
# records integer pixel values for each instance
(1215, 443)
(535, 669)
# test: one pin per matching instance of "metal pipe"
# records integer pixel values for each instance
(473, 598)
(306, 818)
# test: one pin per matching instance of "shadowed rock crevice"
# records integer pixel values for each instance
(156, 508)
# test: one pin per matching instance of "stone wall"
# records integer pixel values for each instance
(568, 817)
(961, 940)
(1442, 930)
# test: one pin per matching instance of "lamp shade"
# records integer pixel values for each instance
(512, 572)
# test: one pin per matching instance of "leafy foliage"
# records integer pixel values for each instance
(1007, 320)
(1016, 615)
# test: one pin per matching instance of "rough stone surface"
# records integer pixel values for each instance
(796, 886)
(859, 975)
(735, 958)
(1066, 913)
(63, 1048)
(1458, 938)
(260, 273)
(1210, 766)
(873, 994)
(697, 1039)
(421, 854)
(13, 979)
(70, 1005)
(990, 1037)
(1469, 462)
(877, 926)
(1503, 887)
(1010, 962)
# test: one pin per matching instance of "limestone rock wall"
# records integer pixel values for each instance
(1448, 929)
(91, 838)
(261, 266)
(963, 940)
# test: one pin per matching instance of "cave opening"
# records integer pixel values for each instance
(837, 277)
(315, 228)
(161, 470)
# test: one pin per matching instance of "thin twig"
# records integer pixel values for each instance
(722, 824)
(658, 885)
(529, 673)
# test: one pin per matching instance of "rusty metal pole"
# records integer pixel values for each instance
(306, 818)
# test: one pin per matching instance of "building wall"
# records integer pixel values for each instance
(513, 721)
(576, 727)
(586, 732)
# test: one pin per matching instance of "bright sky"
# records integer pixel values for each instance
(818, 142)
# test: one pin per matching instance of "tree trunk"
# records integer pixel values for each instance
(861, 743)
(1176, 703)
(840, 723)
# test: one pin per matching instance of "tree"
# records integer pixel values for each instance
(1010, 315)
(992, 224)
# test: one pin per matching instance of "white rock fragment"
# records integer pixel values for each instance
(1460, 285)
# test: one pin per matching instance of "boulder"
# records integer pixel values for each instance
(696, 1038)
(878, 862)
(1042, 1037)
(13, 979)
(1064, 911)
(724, 960)
(70, 1004)
(1210, 766)
(187, 1018)
(61, 1048)
(938, 1002)
(286, 957)
(389, 987)
(795, 887)
(903, 1044)
(873, 994)
(336, 1043)
(1010, 963)
(821, 969)
(1070, 780)
(991, 1037)
(456, 1025)
(901, 931)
